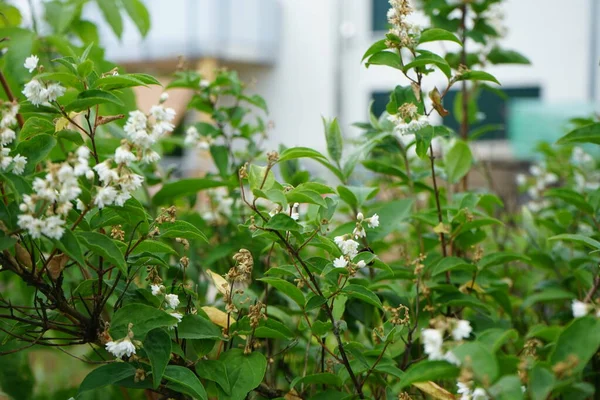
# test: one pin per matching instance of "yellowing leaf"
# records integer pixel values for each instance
(292, 395)
(60, 124)
(440, 228)
(217, 316)
(465, 288)
(434, 390)
(220, 283)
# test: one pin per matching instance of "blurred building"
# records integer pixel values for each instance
(304, 56)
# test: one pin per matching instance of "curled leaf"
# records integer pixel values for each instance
(220, 283)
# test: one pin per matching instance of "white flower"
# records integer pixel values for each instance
(31, 62)
(54, 91)
(157, 289)
(137, 121)
(83, 152)
(121, 347)
(374, 221)
(123, 155)
(105, 196)
(172, 300)
(479, 394)
(150, 156)
(177, 315)
(550, 178)
(462, 330)
(7, 136)
(339, 240)
(19, 163)
(432, 343)
(162, 114)
(121, 198)
(521, 179)
(294, 214)
(31, 224)
(131, 182)
(537, 170)
(204, 83)
(35, 92)
(451, 358)
(340, 262)
(191, 136)
(53, 227)
(579, 308)
(105, 173)
(360, 217)
(463, 390)
(403, 128)
(361, 264)
(359, 232)
(349, 248)
(163, 97)
(80, 205)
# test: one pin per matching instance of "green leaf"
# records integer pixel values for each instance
(502, 56)
(451, 264)
(286, 288)
(376, 47)
(105, 247)
(144, 319)
(261, 178)
(181, 229)
(35, 149)
(579, 339)
(356, 196)
(90, 98)
(193, 326)
(571, 197)
(579, 239)
(69, 245)
(34, 126)
(113, 82)
(317, 379)
(507, 388)
(105, 375)
(384, 168)
(60, 14)
(436, 34)
(584, 134)
(303, 195)
(6, 242)
(388, 58)
(216, 371)
(245, 372)
(482, 361)
(495, 338)
(333, 136)
(183, 187)
(158, 348)
(425, 371)
(458, 161)
(363, 294)
(477, 76)
(283, 222)
(547, 295)
(427, 59)
(184, 380)
(541, 382)
(299, 152)
(138, 14)
(111, 12)
(499, 258)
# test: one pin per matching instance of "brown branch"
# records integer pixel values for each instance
(10, 97)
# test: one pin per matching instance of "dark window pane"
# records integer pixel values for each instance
(379, 12)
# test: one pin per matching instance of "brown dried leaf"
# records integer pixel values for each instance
(434, 390)
(23, 256)
(57, 265)
(436, 99)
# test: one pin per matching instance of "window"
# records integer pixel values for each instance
(379, 9)
(494, 107)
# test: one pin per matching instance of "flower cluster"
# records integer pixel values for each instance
(7, 136)
(433, 339)
(404, 33)
(122, 347)
(45, 211)
(466, 393)
(581, 309)
(40, 92)
(408, 121)
(359, 230)
(171, 300)
(293, 212)
(541, 180)
(586, 176)
(221, 204)
(194, 139)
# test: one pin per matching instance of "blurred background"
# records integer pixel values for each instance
(303, 57)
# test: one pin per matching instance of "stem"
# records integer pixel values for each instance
(10, 97)
(438, 206)
(593, 290)
(464, 127)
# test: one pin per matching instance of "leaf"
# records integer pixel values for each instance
(105, 247)
(220, 283)
(69, 245)
(495, 338)
(436, 34)
(216, 371)
(283, 222)
(541, 382)
(111, 12)
(482, 361)
(387, 58)
(138, 14)
(303, 195)
(333, 137)
(193, 326)
(158, 348)
(299, 152)
(144, 319)
(182, 188)
(428, 371)
(585, 134)
(181, 229)
(261, 178)
(105, 375)
(434, 390)
(547, 295)
(477, 76)
(363, 294)
(217, 316)
(317, 379)
(507, 388)
(502, 56)
(458, 161)
(90, 98)
(245, 372)
(35, 149)
(376, 47)
(427, 59)
(580, 239)
(356, 196)
(287, 288)
(571, 197)
(384, 168)
(184, 380)
(503, 257)
(580, 339)
(34, 126)
(121, 81)
(451, 264)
